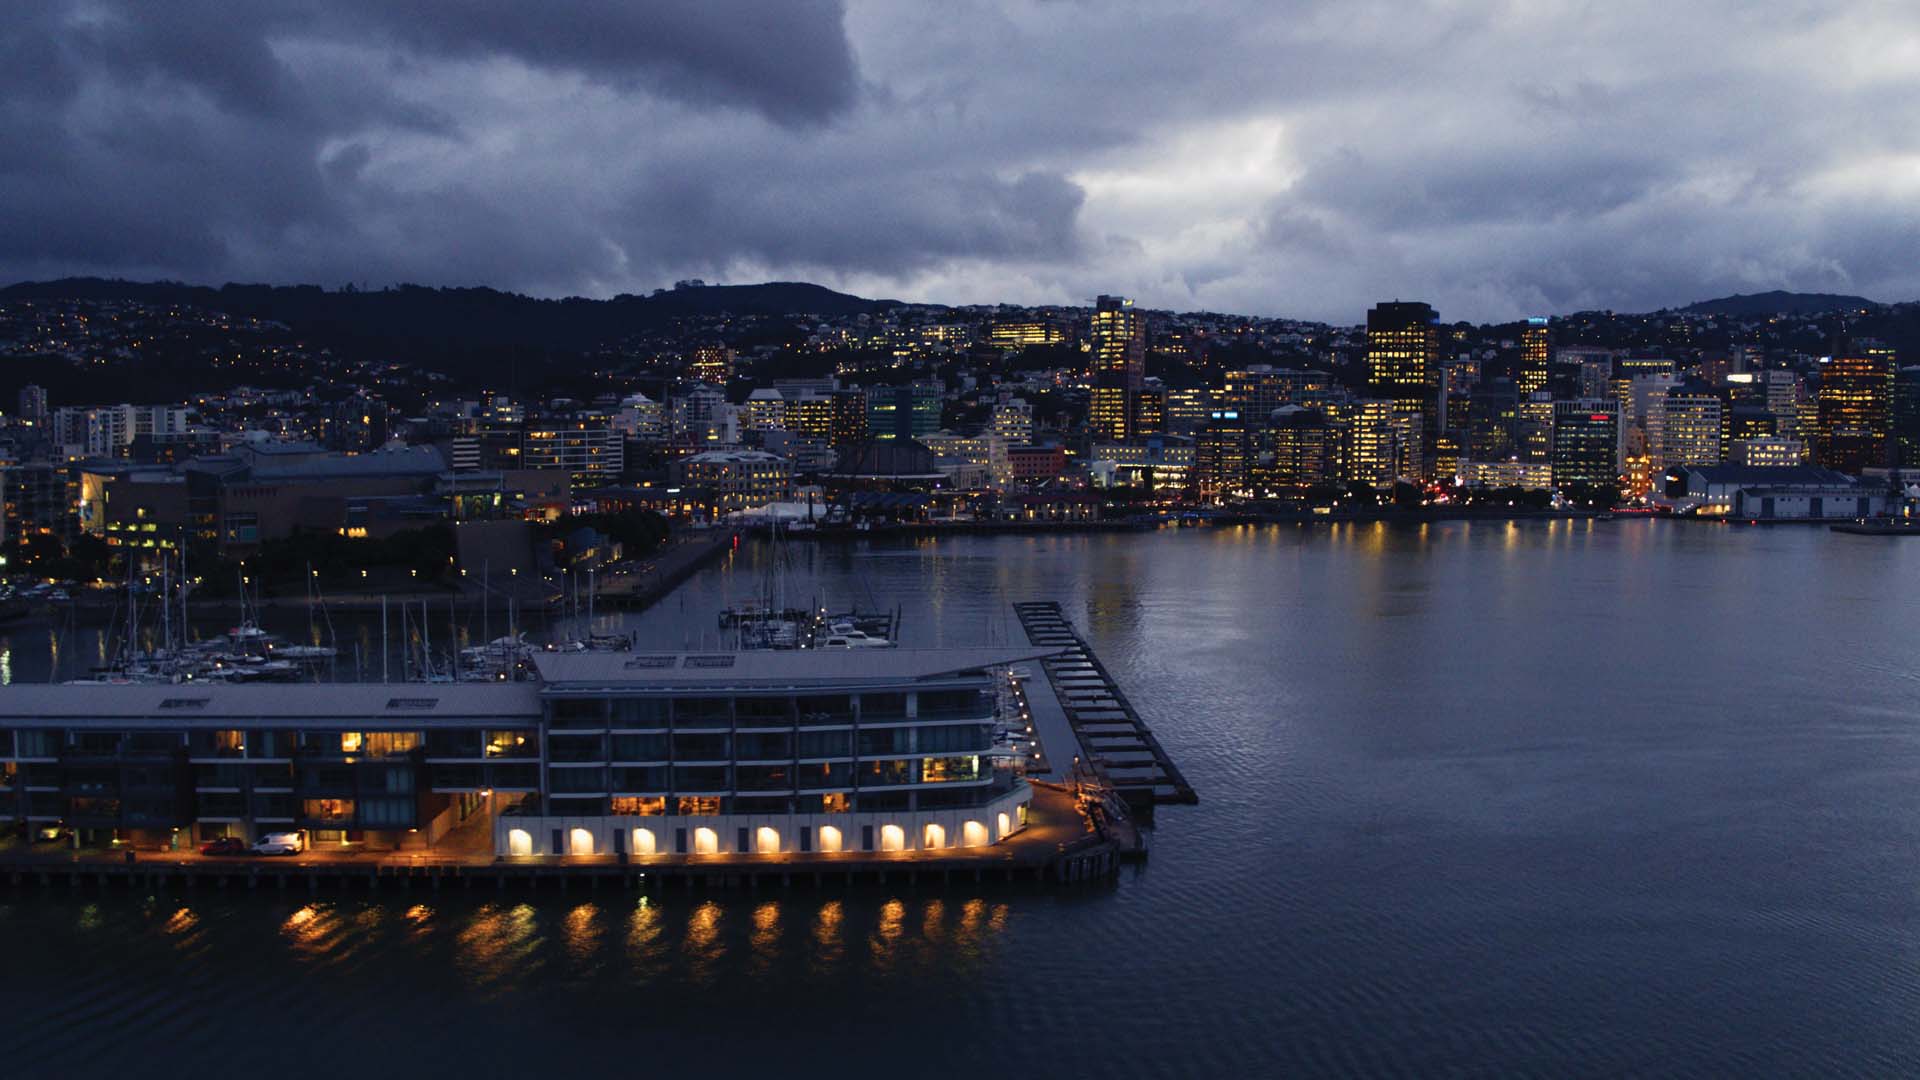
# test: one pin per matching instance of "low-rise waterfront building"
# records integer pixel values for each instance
(606, 753)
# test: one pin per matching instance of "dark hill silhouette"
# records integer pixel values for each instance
(1779, 302)
(462, 318)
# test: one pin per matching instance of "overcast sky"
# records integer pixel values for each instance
(1274, 157)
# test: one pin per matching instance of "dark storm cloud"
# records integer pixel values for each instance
(1303, 157)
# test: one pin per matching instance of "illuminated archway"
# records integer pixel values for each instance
(1006, 826)
(644, 842)
(580, 842)
(934, 836)
(830, 838)
(767, 840)
(893, 838)
(706, 842)
(519, 842)
(973, 834)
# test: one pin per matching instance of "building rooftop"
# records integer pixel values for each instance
(348, 705)
(769, 668)
(1769, 476)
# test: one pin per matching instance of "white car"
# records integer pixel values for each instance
(279, 843)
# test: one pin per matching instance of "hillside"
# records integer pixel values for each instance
(462, 318)
(1779, 302)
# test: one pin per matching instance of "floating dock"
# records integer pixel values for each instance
(1112, 738)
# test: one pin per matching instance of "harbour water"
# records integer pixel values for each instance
(1571, 798)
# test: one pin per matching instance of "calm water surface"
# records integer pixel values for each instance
(1570, 799)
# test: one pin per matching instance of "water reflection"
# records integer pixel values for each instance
(766, 936)
(828, 949)
(498, 946)
(884, 942)
(704, 947)
(646, 944)
(581, 932)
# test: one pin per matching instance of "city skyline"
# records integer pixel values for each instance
(1304, 162)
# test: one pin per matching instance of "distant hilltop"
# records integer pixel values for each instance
(1780, 302)
(471, 316)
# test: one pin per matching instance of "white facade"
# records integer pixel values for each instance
(765, 834)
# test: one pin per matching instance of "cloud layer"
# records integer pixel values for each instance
(1304, 157)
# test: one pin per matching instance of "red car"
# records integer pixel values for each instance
(224, 845)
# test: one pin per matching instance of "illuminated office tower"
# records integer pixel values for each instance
(1186, 411)
(1536, 349)
(1150, 412)
(1223, 454)
(1742, 423)
(1492, 417)
(1119, 338)
(1683, 428)
(1369, 442)
(1906, 418)
(1403, 367)
(1299, 440)
(1403, 354)
(1015, 335)
(1533, 427)
(903, 412)
(1855, 410)
(1586, 443)
(711, 364)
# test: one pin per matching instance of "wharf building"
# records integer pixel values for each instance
(604, 754)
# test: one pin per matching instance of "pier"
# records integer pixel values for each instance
(1086, 702)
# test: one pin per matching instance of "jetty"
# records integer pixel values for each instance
(1114, 743)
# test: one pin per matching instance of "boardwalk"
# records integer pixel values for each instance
(1111, 735)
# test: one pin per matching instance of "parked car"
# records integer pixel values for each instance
(224, 845)
(279, 843)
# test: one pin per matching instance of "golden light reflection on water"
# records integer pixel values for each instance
(581, 932)
(704, 948)
(499, 946)
(828, 948)
(933, 925)
(311, 930)
(182, 921)
(646, 944)
(766, 935)
(884, 943)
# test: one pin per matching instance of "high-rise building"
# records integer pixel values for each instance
(1533, 427)
(1403, 354)
(1299, 441)
(1855, 416)
(1536, 351)
(1586, 443)
(1119, 338)
(33, 404)
(1906, 418)
(1187, 411)
(1370, 443)
(1492, 417)
(1683, 428)
(1149, 412)
(711, 364)
(1403, 365)
(1223, 455)
(903, 412)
